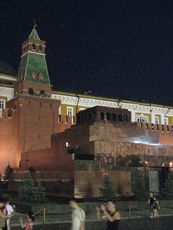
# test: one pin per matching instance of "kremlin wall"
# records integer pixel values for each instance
(70, 136)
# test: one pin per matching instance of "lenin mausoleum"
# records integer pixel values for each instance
(77, 138)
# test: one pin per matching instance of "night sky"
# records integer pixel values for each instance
(116, 48)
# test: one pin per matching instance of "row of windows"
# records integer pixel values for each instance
(108, 116)
(41, 94)
(113, 117)
(142, 119)
(35, 47)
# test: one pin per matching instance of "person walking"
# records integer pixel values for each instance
(154, 206)
(29, 223)
(10, 212)
(78, 216)
(110, 214)
(150, 202)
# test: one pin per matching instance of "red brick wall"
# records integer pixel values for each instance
(9, 148)
(166, 138)
(26, 126)
(38, 120)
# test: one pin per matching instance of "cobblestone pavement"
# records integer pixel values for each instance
(58, 213)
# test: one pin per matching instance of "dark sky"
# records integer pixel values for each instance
(117, 48)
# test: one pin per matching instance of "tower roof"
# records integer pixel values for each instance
(33, 66)
(34, 35)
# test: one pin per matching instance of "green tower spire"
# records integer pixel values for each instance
(33, 66)
(34, 35)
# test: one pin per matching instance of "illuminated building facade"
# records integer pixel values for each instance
(36, 126)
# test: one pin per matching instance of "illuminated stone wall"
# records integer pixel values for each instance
(9, 148)
(26, 126)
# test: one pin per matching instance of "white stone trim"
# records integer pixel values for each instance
(7, 92)
(9, 78)
(32, 52)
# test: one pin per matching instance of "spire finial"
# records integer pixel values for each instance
(34, 24)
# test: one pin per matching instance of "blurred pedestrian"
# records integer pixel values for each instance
(78, 216)
(3, 215)
(28, 225)
(154, 205)
(10, 211)
(110, 214)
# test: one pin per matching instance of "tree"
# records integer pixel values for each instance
(107, 191)
(139, 186)
(8, 175)
(32, 191)
(32, 172)
(167, 191)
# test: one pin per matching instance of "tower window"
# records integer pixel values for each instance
(30, 91)
(40, 48)
(41, 76)
(33, 46)
(33, 75)
(42, 93)
(9, 113)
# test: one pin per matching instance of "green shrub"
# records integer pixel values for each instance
(31, 190)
